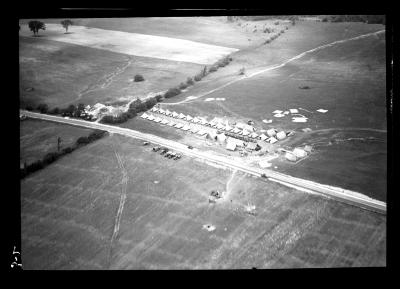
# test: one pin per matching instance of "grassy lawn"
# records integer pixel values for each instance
(69, 210)
(37, 138)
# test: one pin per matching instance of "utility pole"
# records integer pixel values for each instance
(58, 143)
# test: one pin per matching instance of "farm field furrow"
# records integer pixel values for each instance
(162, 218)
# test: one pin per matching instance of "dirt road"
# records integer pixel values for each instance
(339, 194)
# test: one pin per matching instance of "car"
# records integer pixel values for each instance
(264, 176)
(163, 151)
(156, 149)
(190, 147)
(146, 143)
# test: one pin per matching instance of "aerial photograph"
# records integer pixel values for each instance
(202, 142)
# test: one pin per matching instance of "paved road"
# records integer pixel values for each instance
(339, 194)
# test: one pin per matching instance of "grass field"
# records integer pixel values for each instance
(37, 138)
(63, 73)
(69, 211)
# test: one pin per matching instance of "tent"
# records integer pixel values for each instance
(179, 125)
(240, 125)
(236, 130)
(231, 146)
(251, 146)
(220, 126)
(167, 112)
(181, 116)
(272, 140)
(150, 117)
(203, 121)
(291, 157)
(245, 132)
(171, 123)
(194, 129)
(228, 127)
(254, 135)
(186, 127)
(300, 153)
(188, 117)
(263, 137)
(212, 135)
(281, 135)
(174, 114)
(161, 111)
(271, 132)
(144, 115)
(164, 121)
(154, 109)
(221, 138)
(248, 128)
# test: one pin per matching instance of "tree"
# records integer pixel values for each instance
(66, 23)
(151, 102)
(35, 26)
(43, 108)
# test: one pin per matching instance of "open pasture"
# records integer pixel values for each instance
(82, 213)
(37, 138)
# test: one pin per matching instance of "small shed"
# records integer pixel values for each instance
(300, 153)
(272, 140)
(231, 146)
(251, 146)
(221, 138)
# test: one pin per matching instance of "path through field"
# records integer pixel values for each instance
(273, 67)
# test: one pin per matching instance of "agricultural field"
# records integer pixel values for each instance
(91, 64)
(38, 138)
(116, 204)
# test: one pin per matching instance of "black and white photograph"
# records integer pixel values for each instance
(210, 141)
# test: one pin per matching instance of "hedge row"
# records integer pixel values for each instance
(53, 156)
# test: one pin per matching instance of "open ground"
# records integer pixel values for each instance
(37, 138)
(71, 209)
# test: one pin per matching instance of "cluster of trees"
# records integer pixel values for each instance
(371, 19)
(35, 26)
(134, 108)
(71, 110)
(53, 156)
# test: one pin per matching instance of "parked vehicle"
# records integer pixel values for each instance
(156, 149)
(190, 147)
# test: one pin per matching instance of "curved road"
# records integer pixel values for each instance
(339, 194)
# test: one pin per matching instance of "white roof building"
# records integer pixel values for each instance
(271, 132)
(291, 157)
(300, 153)
(264, 164)
(281, 135)
(231, 146)
(221, 137)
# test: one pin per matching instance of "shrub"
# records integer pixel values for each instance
(276, 23)
(150, 102)
(241, 71)
(182, 86)
(43, 108)
(55, 110)
(138, 77)
(159, 97)
(97, 134)
(213, 68)
(82, 140)
(138, 105)
(286, 28)
(189, 81)
(67, 150)
(29, 108)
(198, 77)
(49, 158)
(324, 19)
(172, 92)
(282, 31)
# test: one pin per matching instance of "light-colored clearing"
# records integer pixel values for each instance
(136, 44)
